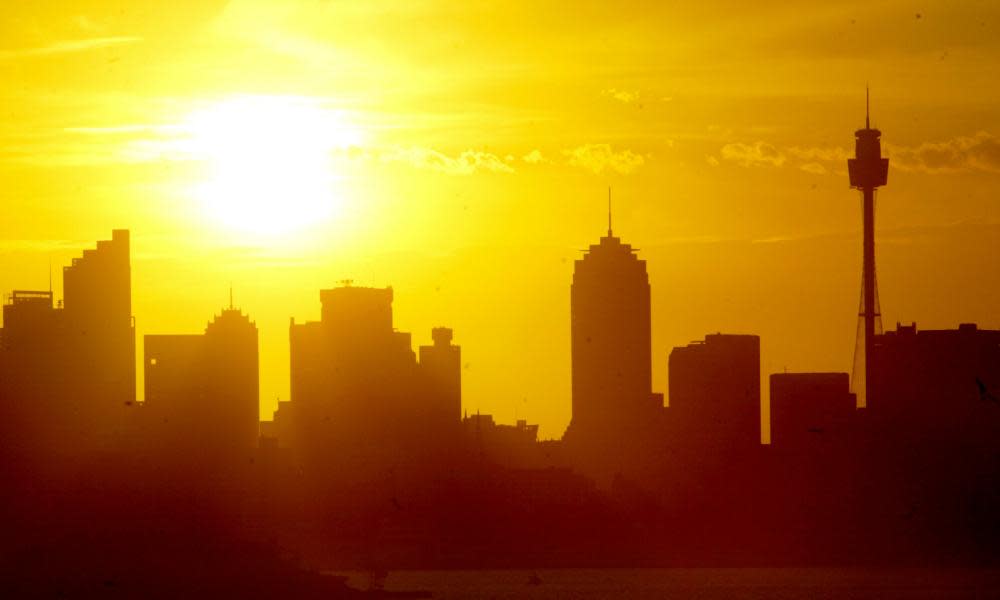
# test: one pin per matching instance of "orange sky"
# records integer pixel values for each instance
(462, 156)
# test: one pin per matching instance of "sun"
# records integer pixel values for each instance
(270, 162)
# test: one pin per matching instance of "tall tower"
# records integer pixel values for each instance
(610, 330)
(868, 171)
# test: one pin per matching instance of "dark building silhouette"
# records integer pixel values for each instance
(97, 290)
(442, 367)
(931, 431)
(33, 378)
(67, 373)
(938, 384)
(611, 349)
(811, 409)
(868, 171)
(511, 446)
(360, 400)
(202, 391)
(810, 484)
(279, 431)
(714, 393)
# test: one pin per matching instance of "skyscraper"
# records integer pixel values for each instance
(442, 367)
(98, 303)
(69, 371)
(360, 401)
(202, 391)
(611, 354)
(715, 393)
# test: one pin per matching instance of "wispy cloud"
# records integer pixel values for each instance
(601, 157)
(834, 154)
(69, 46)
(980, 152)
(757, 154)
(625, 96)
(466, 163)
(813, 167)
(534, 157)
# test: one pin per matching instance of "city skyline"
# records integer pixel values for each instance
(412, 299)
(373, 464)
(493, 146)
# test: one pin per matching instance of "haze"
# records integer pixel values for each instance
(463, 157)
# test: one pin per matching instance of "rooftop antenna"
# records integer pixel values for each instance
(50, 275)
(609, 211)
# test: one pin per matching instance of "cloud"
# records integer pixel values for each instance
(466, 163)
(757, 154)
(598, 157)
(980, 152)
(813, 167)
(621, 95)
(534, 157)
(835, 154)
(69, 46)
(712, 160)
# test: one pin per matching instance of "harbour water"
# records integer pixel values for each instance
(697, 584)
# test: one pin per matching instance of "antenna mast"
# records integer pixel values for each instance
(867, 121)
(609, 211)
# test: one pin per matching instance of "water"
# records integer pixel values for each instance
(698, 584)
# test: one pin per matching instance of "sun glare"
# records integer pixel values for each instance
(270, 162)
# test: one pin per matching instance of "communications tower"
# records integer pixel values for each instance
(868, 171)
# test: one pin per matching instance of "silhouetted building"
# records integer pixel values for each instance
(202, 391)
(442, 367)
(32, 374)
(809, 481)
(101, 333)
(611, 350)
(714, 397)
(280, 429)
(511, 446)
(361, 401)
(940, 384)
(68, 373)
(810, 409)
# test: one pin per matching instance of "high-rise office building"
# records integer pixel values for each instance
(810, 410)
(98, 304)
(68, 371)
(442, 367)
(360, 401)
(611, 348)
(714, 392)
(202, 390)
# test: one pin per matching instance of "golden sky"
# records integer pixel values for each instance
(461, 153)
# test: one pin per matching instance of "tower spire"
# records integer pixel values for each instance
(867, 121)
(609, 211)
(230, 296)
